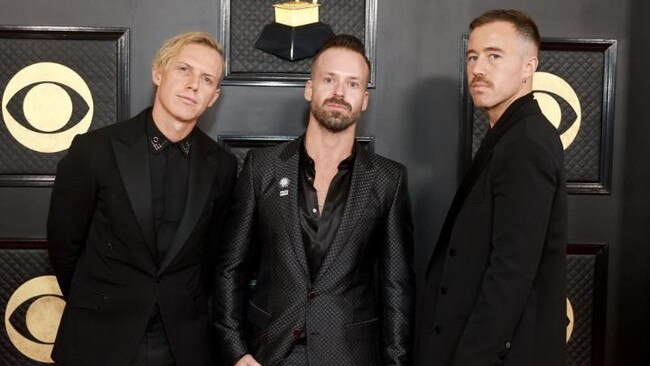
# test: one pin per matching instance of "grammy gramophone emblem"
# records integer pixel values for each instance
(297, 32)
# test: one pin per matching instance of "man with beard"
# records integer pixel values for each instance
(494, 291)
(316, 267)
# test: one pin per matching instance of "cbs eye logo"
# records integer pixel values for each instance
(41, 301)
(560, 104)
(45, 105)
(570, 320)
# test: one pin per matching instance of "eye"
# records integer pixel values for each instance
(472, 58)
(494, 56)
(328, 80)
(32, 316)
(45, 105)
(208, 81)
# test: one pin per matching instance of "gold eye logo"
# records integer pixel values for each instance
(48, 92)
(571, 318)
(545, 87)
(41, 320)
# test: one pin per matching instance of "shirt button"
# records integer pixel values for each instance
(312, 295)
(508, 345)
(443, 290)
(314, 210)
(296, 333)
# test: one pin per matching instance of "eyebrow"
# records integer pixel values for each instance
(190, 66)
(486, 49)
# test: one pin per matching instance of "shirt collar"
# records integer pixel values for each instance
(158, 142)
(309, 162)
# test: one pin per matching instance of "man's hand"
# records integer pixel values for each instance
(247, 360)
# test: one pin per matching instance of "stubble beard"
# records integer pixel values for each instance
(334, 121)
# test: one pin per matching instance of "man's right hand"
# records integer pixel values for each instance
(247, 360)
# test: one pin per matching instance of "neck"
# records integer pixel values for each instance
(496, 112)
(326, 146)
(172, 129)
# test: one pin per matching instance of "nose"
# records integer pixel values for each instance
(478, 67)
(339, 90)
(193, 82)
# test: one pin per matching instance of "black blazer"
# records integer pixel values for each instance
(101, 244)
(359, 308)
(494, 292)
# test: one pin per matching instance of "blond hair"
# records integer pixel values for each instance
(172, 47)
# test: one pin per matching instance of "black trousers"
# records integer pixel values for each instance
(154, 348)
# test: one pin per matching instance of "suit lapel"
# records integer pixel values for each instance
(132, 156)
(360, 189)
(202, 170)
(287, 198)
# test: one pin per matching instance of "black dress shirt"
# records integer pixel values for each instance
(170, 167)
(319, 225)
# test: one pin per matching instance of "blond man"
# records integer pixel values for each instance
(136, 211)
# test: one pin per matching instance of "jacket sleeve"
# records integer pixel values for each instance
(397, 279)
(71, 210)
(231, 284)
(524, 184)
(214, 234)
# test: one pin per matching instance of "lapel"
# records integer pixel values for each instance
(132, 156)
(363, 176)
(512, 114)
(203, 167)
(287, 167)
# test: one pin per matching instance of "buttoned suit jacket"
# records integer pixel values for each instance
(102, 247)
(358, 310)
(494, 293)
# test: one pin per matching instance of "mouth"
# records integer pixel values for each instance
(337, 104)
(187, 100)
(479, 86)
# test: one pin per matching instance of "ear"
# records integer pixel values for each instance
(214, 97)
(156, 76)
(364, 103)
(309, 90)
(530, 67)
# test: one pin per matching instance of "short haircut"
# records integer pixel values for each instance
(173, 46)
(347, 42)
(522, 22)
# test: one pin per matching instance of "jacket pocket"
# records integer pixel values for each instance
(362, 330)
(85, 297)
(257, 316)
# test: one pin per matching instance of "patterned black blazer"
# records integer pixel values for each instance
(359, 308)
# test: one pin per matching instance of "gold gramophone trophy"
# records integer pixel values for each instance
(297, 32)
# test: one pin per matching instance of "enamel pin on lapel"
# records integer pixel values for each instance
(284, 183)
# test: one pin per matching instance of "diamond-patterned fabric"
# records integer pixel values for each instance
(248, 17)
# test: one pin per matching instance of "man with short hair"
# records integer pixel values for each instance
(495, 287)
(134, 220)
(323, 228)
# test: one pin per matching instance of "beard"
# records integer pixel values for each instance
(334, 121)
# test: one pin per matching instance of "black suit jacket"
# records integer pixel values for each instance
(359, 308)
(494, 292)
(101, 244)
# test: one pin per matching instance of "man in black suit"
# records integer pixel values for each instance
(324, 229)
(134, 221)
(494, 290)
